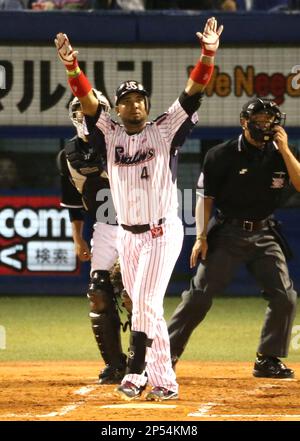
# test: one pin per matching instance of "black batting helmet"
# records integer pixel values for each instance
(130, 86)
(256, 105)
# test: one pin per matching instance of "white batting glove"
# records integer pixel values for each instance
(210, 38)
(65, 51)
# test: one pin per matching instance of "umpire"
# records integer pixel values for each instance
(244, 180)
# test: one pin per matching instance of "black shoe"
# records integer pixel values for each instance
(129, 391)
(271, 367)
(111, 375)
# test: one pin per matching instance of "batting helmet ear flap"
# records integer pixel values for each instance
(147, 104)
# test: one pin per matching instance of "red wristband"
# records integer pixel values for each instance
(80, 85)
(207, 52)
(202, 73)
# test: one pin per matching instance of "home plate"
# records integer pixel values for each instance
(139, 406)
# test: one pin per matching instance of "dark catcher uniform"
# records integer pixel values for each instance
(82, 181)
(247, 185)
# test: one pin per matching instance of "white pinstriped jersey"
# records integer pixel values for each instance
(142, 167)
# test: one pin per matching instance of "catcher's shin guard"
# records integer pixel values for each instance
(137, 352)
(105, 319)
(106, 329)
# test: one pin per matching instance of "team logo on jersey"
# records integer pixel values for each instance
(156, 232)
(138, 157)
(278, 180)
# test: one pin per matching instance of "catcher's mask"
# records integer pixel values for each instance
(268, 107)
(129, 87)
(75, 108)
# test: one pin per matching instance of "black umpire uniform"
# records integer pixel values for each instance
(247, 184)
(81, 179)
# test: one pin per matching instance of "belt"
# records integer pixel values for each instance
(138, 229)
(247, 225)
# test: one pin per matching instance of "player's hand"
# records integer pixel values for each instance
(199, 250)
(210, 38)
(82, 250)
(281, 138)
(65, 51)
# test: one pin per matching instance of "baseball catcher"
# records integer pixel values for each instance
(83, 180)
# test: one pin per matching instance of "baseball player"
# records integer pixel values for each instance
(245, 179)
(83, 179)
(141, 162)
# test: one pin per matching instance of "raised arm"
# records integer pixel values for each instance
(78, 82)
(203, 70)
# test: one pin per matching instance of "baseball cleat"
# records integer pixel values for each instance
(129, 391)
(159, 393)
(271, 367)
(111, 375)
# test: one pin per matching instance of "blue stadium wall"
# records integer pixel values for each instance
(151, 29)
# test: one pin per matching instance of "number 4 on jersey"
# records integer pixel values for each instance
(145, 174)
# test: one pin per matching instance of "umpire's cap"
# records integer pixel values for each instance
(256, 105)
(130, 86)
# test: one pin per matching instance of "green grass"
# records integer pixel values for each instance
(58, 328)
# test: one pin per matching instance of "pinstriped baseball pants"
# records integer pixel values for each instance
(147, 264)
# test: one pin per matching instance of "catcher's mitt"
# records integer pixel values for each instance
(116, 278)
(126, 302)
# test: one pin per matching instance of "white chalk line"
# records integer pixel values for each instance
(85, 390)
(139, 406)
(203, 410)
(229, 415)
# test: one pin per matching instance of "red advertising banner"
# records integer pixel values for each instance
(35, 237)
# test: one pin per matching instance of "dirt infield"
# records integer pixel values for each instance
(68, 391)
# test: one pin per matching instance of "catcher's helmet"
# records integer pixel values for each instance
(130, 86)
(75, 106)
(257, 105)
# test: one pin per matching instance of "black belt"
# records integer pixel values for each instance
(138, 229)
(254, 225)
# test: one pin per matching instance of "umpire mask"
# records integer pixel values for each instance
(265, 132)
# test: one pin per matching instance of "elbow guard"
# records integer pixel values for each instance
(191, 103)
